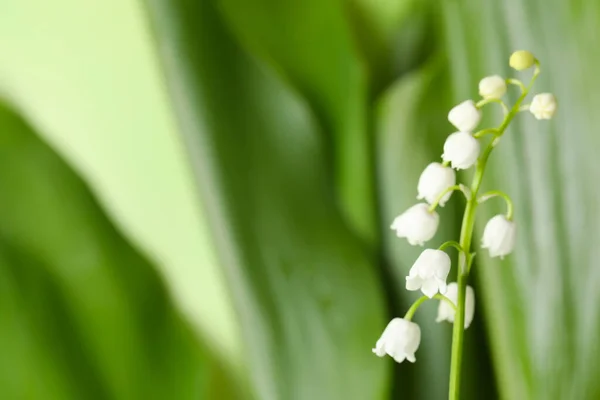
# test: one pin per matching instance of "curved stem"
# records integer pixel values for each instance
(524, 107)
(497, 193)
(411, 311)
(492, 131)
(484, 102)
(451, 243)
(441, 196)
(415, 306)
(441, 297)
(518, 83)
(465, 242)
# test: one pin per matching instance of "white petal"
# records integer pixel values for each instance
(398, 357)
(400, 339)
(413, 283)
(465, 116)
(442, 265)
(543, 106)
(433, 181)
(445, 312)
(443, 288)
(429, 288)
(469, 306)
(492, 87)
(499, 236)
(417, 224)
(379, 351)
(461, 149)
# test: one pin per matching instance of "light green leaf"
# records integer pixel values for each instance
(85, 75)
(83, 315)
(304, 284)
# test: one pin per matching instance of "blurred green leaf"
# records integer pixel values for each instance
(83, 315)
(393, 37)
(85, 74)
(310, 43)
(304, 284)
(275, 102)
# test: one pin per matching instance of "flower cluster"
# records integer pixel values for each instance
(418, 224)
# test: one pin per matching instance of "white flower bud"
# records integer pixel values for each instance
(447, 313)
(543, 106)
(400, 340)
(429, 273)
(433, 181)
(416, 224)
(521, 59)
(499, 236)
(465, 116)
(461, 149)
(492, 87)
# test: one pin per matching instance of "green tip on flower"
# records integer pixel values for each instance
(521, 60)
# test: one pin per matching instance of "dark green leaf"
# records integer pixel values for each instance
(310, 42)
(304, 284)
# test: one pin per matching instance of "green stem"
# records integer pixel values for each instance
(441, 196)
(484, 102)
(497, 193)
(487, 131)
(451, 243)
(465, 243)
(441, 297)
(463, 274)
(411, 311)
(518, 83)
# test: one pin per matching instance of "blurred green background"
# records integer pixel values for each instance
(195, 198)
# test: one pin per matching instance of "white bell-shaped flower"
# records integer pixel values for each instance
(499, 236)
(400, 340)
(416, 224)
(465, 116)
(543, 106)
(429, 273)
(433, 181)
(461, 149)
(447, 313)
(492, 87)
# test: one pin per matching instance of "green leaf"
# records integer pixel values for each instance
(304, 284)
(88, 80)
(310, 42)
(83, 314)
(393, 37)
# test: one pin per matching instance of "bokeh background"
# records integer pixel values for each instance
(195, 198)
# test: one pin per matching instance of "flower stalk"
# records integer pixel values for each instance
(462, 150)
(466, 234)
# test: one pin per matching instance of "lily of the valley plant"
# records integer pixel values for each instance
(418, 224)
